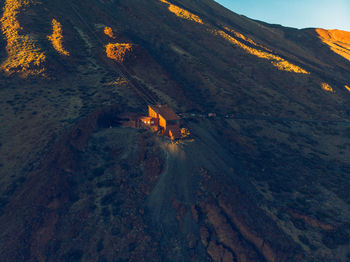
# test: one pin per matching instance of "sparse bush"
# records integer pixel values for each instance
(99, 171)
(333, 239)
(327, 87)
(116, 209)
(3, 203)
(102, 259)
(105, 183)
(109, 32)
(115, 231)
(92, 207)
(73, 197)
(299, 224)
(304, 239)
(105, 212)
(119, 52)
(100, 245)
(73, 256)
(11, 189)
(24, 55)
(185, 132)
(56, 38)
(132, 246)
(108, 199)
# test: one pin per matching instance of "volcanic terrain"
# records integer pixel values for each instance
(266, 178)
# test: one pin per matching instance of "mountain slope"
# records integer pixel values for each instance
(269, 184)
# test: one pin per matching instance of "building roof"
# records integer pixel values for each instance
(165, 111)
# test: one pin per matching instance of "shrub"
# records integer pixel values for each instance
(105, 183)
(327, 87)
(185, 132)
(73, 256)
(3, 203)
(109, 32)
(102, 259)
(56, 38)
(304, 240)
(299, 224)
(108, 199)
(333, 239)
(105, 212)
(119, 52)
(99, 171)
(115, 231)
(24, 55)
(100, 245)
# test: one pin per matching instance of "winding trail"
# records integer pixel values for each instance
(181, 181)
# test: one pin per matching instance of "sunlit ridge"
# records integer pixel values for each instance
(337, 40)
(277, 61)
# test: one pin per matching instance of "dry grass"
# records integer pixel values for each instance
(279, 62)
(117, 82)
(56, 38)
(109, 32)
(182, 13)
(119, 52)
(24, 55)
(276, 60)
(327, 87)
(185, 133)
(247, 39)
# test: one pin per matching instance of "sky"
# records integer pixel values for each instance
(327, 14)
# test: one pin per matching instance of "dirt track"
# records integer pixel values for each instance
(181, 182)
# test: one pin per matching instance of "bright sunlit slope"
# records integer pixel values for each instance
(338, 41)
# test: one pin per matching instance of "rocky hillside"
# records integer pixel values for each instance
(265, 180)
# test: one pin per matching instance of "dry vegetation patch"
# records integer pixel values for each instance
(182, 13)
(56, 38)
(277, 61)
(109, 32)
(24, 54)
(247, 39)
(327, 87)
(119, 52)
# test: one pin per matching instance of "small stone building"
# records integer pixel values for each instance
(166, 120)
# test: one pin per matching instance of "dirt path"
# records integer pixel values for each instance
(183, 163)
(181, 181)
(175, 182)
